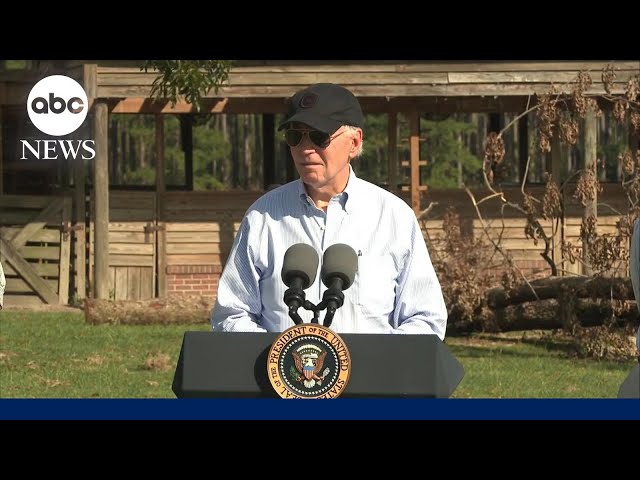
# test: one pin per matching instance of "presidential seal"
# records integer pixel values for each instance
(308, 361)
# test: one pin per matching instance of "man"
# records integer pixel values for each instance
(395, 289)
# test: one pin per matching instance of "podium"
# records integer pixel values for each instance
(234, 365)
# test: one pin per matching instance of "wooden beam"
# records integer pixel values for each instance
(267, 79)
(79, 201)
(160, 235)
(414, 141)
(90, 81)
(101, 203)
(149, 105)
(27, 272)
(392, 150)
(523, 146)
(559, 158)
(369, 105)
(371, 66)
(65, 255)
(186, 123)
(367, 90)
(590, 164)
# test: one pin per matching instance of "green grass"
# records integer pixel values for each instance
(510, 368)
(58, 355)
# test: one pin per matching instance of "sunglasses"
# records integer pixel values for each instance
(293, 137)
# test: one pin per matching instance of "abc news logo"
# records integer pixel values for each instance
(57, 106)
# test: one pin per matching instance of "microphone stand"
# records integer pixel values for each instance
(332, 299)
(307, 305)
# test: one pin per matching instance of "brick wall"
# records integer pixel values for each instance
(193, 280)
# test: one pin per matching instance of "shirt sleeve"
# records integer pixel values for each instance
(238, 306)
(420, 306)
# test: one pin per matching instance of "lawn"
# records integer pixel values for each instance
(58, 355)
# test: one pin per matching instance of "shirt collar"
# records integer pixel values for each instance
(349, 197)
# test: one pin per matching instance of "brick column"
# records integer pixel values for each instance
(201, 280)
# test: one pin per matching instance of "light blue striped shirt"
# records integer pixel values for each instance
(395, 290)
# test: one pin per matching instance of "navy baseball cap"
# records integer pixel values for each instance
(325, 107)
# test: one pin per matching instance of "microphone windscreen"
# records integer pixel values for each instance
(339, 260)
(300, 260)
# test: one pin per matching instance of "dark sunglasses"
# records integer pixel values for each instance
(293, 137)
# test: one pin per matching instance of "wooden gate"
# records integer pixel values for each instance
(35, 248)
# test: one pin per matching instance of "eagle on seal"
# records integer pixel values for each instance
(309, 360)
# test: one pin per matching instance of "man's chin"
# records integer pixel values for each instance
(312, 179)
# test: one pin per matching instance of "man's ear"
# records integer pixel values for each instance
(356, 141)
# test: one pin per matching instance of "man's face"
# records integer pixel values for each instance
(319, 167)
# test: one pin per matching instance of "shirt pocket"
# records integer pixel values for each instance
(376, 284)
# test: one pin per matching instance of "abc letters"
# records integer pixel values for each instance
(56, 104)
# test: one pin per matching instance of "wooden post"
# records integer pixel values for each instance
(414, 141)
(558, 174)
(392, 154)
(80, 227)
(268, 150)
(187, 147)
(523, 146)
(101, 194)
(590, 161)
(65, 255)
(160, 199)
(559, 159)
(113, 153)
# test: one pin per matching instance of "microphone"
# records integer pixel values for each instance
(299, 270)
(339, 266)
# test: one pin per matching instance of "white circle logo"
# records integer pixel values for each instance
(57, 105)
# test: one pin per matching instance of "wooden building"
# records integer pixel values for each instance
(123, 244)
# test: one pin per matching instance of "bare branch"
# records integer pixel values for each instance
(425, 212)
(506, 256)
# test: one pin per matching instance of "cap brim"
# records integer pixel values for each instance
(319, 122)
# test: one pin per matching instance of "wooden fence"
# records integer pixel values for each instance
(185, 238)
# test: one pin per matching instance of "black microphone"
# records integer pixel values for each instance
(339, 266)
(299, 270)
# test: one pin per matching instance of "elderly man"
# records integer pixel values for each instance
(395, 289)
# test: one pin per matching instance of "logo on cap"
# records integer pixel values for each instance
(308, 100)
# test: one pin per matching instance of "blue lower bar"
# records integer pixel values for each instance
(335, 409)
